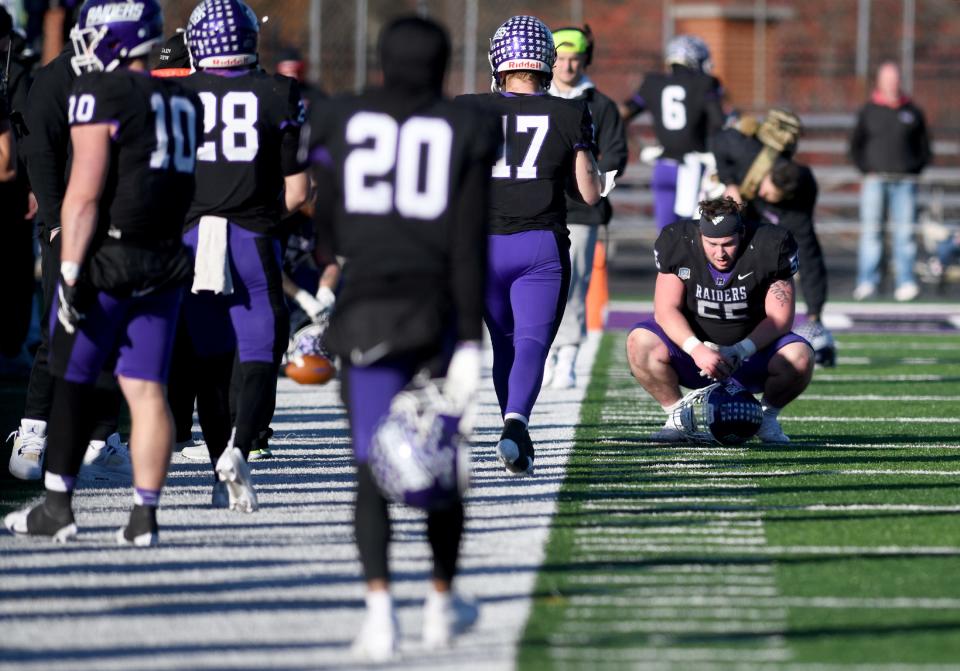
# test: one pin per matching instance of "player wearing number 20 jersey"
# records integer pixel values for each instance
(247, 177)
(547, 144)
(403, 177)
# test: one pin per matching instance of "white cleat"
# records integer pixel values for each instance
(29, 446)
(194, 451)
(669, 433)
(110, 461)
(148, 539)
(232, 469)
(906, 292)
(40, 524)
(564, 376)
(379, 637)
(863, 291)
(771, 432)
(444, 616)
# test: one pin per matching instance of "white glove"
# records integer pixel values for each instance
(736, 354)
(463, 376)
(316, 306)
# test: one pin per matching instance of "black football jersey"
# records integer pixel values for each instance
(403, 189)
(541, 136)
(685, 106)
(156, 127)
(725, 307)
(251, 123)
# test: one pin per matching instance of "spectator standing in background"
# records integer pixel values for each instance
(891, 148)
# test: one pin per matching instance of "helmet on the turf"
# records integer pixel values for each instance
(522, 43)
(689, 51)
(308, 361)
(822, 342)
(417, 455)
(109, 32)
(223, 34)
(723, 413)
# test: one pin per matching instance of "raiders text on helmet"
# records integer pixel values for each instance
(109, 33)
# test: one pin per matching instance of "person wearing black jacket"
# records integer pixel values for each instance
(787, 197)
(47, 153)
(891, 147)
(570, 80)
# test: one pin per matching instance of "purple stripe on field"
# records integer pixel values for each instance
(874, 323)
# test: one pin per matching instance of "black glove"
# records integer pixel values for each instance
(67, 312)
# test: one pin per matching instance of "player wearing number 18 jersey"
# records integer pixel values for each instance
(123, 264)
(547, 145)
(247, 178)
(403, 177)
(723, 307)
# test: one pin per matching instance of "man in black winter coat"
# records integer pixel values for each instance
(891, 147)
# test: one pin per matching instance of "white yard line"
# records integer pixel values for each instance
(280, 589)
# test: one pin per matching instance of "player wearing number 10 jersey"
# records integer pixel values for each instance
(122, 263)
(403, 177)
(547, 144)
(247, 178)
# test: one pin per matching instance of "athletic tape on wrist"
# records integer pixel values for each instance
(691, 344)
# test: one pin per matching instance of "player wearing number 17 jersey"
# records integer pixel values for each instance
(548, 144)
(122, 262)
(403, 177)
(247, 179)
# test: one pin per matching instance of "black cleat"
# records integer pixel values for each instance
(141, 529)
(40, 520)
(515, 449)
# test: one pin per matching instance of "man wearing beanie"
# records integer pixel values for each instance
(570, 80)
(724, 305)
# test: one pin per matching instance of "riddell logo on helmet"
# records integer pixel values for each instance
(225, 61)
(521, 64)
(114, 12)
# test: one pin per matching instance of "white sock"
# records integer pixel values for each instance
(673, 406)
(379, 601)
(517, 416)
(769, 409)
(437, 599)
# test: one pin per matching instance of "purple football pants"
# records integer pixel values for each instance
(752, 374)
(137, 333)
(253, 318)
(528, 275)
(663, 183)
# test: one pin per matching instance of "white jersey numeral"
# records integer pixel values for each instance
(673, 108)
(81, 110)
(539, 124)
(182, 117)
(239, 139)
(419, 148)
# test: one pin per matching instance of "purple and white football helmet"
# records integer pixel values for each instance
(109, 32)
(689, 51)
(723, 413)
(223, 34)
(521, 43)
(418, 455)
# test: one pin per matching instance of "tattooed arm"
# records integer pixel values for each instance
(780, 305)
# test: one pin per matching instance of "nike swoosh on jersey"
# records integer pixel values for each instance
(743, 277)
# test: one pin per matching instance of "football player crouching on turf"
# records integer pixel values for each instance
(724, 304)
(123, 266)
(403, 180)
(548, 145)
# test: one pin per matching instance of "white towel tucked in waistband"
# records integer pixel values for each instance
(211, 270)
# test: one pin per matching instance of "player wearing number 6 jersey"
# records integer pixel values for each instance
(247, 179)
(723, 307)
(685, 107)
(547, 145)
(403, 177)
(123, 264)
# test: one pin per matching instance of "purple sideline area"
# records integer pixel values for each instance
(859, 321)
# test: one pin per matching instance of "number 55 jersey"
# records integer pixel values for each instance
(251, 123)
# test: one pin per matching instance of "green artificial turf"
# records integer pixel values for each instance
(842, 548)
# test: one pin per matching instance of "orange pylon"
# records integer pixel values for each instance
(598, 294)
